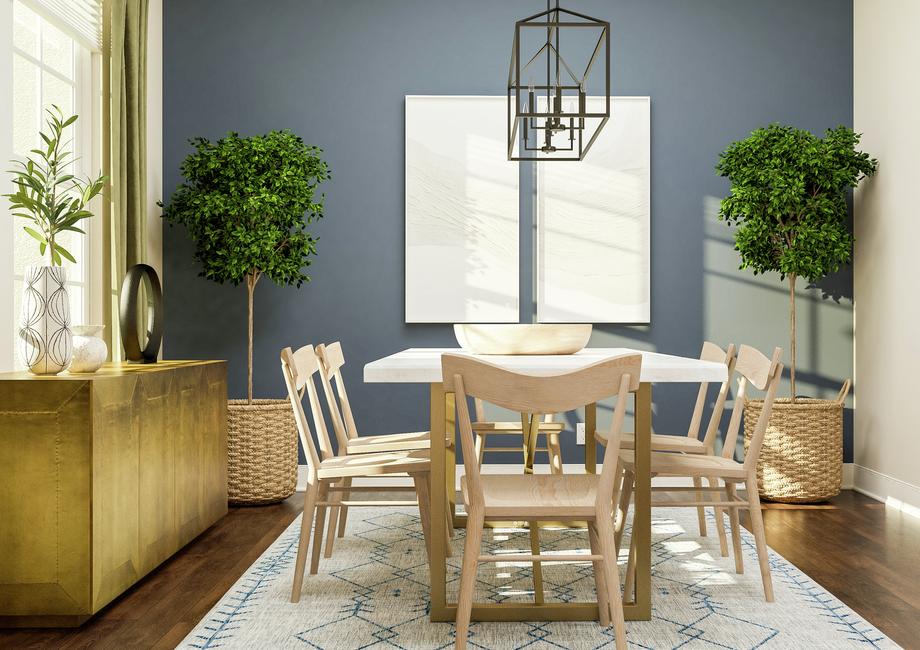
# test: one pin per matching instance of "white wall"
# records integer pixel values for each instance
(155, 137)
(155, 134)
(887, 283)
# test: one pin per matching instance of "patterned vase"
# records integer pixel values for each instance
(45, 340)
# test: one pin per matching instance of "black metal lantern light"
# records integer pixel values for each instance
(554, 112)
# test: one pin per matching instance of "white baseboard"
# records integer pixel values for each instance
(891, 491)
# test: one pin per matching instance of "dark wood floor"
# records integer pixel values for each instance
(863, 553)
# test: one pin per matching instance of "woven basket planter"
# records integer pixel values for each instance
(261, 451)
(801, 460)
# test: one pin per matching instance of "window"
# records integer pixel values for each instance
(53, 67)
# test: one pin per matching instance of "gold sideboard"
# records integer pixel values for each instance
(102, 478)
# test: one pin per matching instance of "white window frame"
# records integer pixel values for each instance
(6, 152)
(87, 136)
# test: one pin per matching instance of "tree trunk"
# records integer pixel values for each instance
(251, 280)
(792, 279)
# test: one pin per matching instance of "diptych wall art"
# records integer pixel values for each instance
(593, 225)
(461, 212)
(462, 227)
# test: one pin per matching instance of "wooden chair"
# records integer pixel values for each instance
(331, 360)
(326, 471)
(535, 498)
(691, 443)
(528, 429)
(764, 374)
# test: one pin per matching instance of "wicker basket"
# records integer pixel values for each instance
(801, 460)
(261, 451)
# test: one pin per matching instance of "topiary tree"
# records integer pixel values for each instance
(789, 202)
(243, 203)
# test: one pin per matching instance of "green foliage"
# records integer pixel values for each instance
(243, 203)
(789, 198)
(789, 203)
(51, 199)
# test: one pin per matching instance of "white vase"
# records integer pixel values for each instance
(45, 340)
(89, 350)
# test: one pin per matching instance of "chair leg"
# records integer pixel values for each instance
(320, 526)
(625, 496)
(555, 453)
(736, 530)
(343, 510)
(760, 537)
(306, 527)
(531, 431)
(720, 517)
(629, 585)
(471, 547)
(332, 525)
(605, 532)
(448, 521)
(424, 508)
(700, 510)
(534, 528)
(600, 576)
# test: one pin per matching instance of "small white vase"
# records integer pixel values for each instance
(45, 344)
(89, 350)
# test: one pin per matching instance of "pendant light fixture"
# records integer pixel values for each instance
(552, 114)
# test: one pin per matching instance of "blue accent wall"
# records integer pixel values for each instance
(337, 71)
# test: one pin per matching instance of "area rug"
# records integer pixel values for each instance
(373, 593)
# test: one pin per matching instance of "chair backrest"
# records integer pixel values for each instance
(480, 412)
(712, 352)
(764, 374)
(331, 360)
(540, 394)
(298, 368)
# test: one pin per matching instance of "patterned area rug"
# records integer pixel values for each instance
(373, 593)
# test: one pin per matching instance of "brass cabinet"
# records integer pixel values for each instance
(102, 478)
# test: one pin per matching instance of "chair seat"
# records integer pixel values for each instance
(661, 442)
(390, 442)
(513, 427)
(668, 464)
(394, 462)
(537, 496)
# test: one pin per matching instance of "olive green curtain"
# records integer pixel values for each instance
(125, 86)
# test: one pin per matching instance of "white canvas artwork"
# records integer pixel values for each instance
(593, 225)
(461, 212)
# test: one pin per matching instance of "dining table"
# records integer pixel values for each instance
(423, 366)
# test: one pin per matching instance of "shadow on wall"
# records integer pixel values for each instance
(740, 307)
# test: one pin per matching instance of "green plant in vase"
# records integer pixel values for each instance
(247, 202)
(788, 203)
(52, 201)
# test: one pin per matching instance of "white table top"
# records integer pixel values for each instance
(423, 365)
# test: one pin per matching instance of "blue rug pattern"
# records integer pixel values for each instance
(373, 593)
